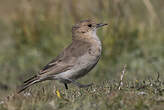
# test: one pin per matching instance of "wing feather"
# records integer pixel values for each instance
(66, 59)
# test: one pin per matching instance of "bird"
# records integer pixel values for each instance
(76, 60)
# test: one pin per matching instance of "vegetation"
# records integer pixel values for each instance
(33, 32)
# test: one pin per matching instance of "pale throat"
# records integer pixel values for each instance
(95, 37)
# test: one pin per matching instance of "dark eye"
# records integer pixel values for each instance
(89, 25)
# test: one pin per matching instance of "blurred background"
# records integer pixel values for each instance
(33, 32)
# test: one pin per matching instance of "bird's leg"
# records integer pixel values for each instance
(80, 85)
(77, 83)
(66, 86)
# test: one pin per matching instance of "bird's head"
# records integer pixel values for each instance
(86, 27)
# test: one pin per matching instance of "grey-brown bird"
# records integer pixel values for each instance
(74, 61)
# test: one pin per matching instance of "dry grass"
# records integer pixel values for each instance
(134, 95)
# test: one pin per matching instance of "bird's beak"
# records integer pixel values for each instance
(100, 25)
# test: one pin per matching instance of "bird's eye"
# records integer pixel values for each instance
(89, 25)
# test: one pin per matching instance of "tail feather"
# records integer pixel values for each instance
(28, 83)
(30, 79)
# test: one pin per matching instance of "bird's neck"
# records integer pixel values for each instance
(94, 36)
(89, 36)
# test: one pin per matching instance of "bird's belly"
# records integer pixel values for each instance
(85, 66)
(81, 68)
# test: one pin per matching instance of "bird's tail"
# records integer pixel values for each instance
(28, 83)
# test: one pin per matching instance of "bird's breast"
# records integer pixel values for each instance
(86, 62)
(96, 47)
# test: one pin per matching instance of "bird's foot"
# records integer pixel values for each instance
(84, 85)
(77, 83)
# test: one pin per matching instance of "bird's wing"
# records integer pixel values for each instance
(57, 65)
(66, 60)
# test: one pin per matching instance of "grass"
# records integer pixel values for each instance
(133, 95)
(33, 32)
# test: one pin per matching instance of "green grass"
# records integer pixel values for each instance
(33, 32)
(134, 95)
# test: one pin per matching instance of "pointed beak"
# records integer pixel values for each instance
(100, 25)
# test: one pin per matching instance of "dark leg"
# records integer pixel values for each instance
(66, 86)
(77, 83)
